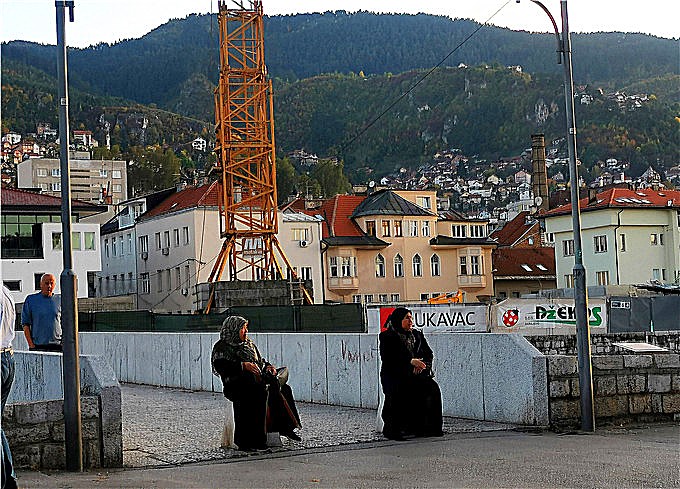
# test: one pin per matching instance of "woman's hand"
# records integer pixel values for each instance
(418, 365)
(271, 369)
(253, 369)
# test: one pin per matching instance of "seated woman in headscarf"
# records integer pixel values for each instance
(413, 401)
(261, 404)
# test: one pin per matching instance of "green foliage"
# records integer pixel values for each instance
(286, 179)
(330, 175)
(152, 168)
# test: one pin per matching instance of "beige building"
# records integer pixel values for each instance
(628, 237)
(97, 181)
(388, 247)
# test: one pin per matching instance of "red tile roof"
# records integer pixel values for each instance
(513, 230)
(20, 197)
(203, 196)
(625, 198)
(336, 212)
(509, 261)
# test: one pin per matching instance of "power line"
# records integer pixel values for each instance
(421, 79)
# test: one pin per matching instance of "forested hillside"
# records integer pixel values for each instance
(157, 67)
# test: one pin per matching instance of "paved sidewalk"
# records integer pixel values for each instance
(164, 427)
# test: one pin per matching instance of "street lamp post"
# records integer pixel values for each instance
(585, 370)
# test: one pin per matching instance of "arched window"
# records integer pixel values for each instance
(417, 266)
(435, 268)
(398, 266)
(379, 266)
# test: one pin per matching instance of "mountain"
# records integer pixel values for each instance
(155, 67)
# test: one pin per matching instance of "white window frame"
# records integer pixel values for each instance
(435, 265)
(568, 247)
(417, 262)
(600, 243)
(333, 269)
(379, 266)
(398, 266)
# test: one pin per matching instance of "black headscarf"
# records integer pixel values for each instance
(394, 323)
(230, 347)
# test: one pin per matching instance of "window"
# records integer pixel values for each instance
(114, 248)
(382, 298)
(530, 240)
(425, 228)
(600, 244)
(36, 280)
(568, 247)
(475, 265)
(398, 266)
(44, 187)
(622, 242)
(158, 241)
(103, 173)
(663, 274)
(116, 174)
(306, 273)
(356, 299)
(56, 172)
(348, 266)
(656, 239)
(166, 239)
(185, 233)
(394, 297)
(541, 267)
(417, 266)
(56, 187)
(368, 298)
(175, 237)
(424, 296)
(178, 277)
(56, 241)
(117, 187)
(144, 244)
(656, 274)
(129, 240)
(550, 238)
(435, 268)
(333, 266)
(122, 245)
(168, 278)
(41, 172)
(423, 202)
(477, 231)
(159, 280)
(379, 266)
(106, 247)
(75, 241)
(300, 234)
(661, 239)
(569, 281)
(385, 228)
(398, 231)
(144, 278)
(463, 265)
(602, 277)
(187, 276)
(115, 284)
(370, 228)
(459, 230)
(13, 285)
(413, 229)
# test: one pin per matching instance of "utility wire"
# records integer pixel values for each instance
(421, 79)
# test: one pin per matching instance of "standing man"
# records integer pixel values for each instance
(41, 317)
(8, 317)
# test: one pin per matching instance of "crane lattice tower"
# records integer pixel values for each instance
(246, 161)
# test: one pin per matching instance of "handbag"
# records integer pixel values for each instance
(282, 375)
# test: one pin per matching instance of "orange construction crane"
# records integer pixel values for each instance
(448, 298)
(246, 162)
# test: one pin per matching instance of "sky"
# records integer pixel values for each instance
(113, 20)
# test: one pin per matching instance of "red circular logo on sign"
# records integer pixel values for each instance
(510, 317)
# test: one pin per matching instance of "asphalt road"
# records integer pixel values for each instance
(645, 456)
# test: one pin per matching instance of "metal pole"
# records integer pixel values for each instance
(69, 317)
(585, 370)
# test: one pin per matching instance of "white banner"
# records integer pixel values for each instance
(520, 314)
(434, 318)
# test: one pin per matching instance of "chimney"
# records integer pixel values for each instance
(539, 178)
(592, 195)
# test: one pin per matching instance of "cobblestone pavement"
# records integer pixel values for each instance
(164, 426)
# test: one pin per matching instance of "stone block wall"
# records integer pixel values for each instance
(626, 388)
(35, 431)
(602, 344)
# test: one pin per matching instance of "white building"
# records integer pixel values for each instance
(99, 181)
(32, 242)
(628, 237)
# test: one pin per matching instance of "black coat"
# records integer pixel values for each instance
(396, 358)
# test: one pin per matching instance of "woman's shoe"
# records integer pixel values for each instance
(292, 436)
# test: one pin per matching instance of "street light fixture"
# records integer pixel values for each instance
(585, 370)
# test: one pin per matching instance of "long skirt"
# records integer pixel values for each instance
(413, 407)
(262, 409)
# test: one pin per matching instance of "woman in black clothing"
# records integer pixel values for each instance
(261, 404)
(413, 401)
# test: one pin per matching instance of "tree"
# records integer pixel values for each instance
(332, 180)
(152, 168)
(286, 179)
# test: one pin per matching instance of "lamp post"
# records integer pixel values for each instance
(585, 370)
(68, 280)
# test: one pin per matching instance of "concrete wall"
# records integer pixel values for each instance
(602, 344)
(639, 388)
(38, 378)
(482, 376)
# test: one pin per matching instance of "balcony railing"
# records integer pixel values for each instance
(343, 283)
(473, 281)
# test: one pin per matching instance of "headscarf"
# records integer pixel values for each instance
(394, 323)
(230, 347)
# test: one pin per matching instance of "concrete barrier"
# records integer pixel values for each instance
(482, 376)
(38, 379)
